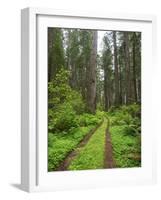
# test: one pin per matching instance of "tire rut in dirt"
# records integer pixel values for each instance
(109, 161)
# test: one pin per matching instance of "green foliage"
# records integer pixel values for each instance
(92, 155)
(133, 110)
(60, 145)
(87, 119)
(125, 129)
(126, 148)
(63, 119)
(127, 116)
(64, 103)
(59, 90)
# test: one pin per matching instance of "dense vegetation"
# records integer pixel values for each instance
(93, 76)
(125, 129)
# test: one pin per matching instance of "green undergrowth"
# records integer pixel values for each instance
(125, 129)
(61, 143)
(92, 155)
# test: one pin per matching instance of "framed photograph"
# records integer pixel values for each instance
(86, 99)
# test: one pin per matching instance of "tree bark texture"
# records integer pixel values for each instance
(91, 75)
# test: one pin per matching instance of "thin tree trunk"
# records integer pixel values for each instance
(116, 70)
(139, 90)
(127, 68)
(106, 92)
(120, 82)
(134, 67)
(73, 76)
(83, 81)
(50, 45)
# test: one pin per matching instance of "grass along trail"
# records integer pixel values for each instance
(65, 164)
(92, 155)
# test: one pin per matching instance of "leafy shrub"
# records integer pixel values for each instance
(60, 92)
(64, 103)
(89, 119)
(133, 110)
(77, 102)
(121, 119)
(128, 117)
(130, 130)
(64, 119)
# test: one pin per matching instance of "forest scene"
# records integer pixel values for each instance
(94, 99)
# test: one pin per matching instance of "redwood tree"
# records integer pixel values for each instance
(91, 75)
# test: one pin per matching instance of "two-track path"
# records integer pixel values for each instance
(108, 155)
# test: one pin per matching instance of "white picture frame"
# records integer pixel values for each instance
(34, 176)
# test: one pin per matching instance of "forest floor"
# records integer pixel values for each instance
(112, 143)
(71, 156)
(88, 154)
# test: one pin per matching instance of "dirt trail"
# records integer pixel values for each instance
(64, 165)
(109, 161)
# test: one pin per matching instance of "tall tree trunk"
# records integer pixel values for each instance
(73, 76)
(116, 70)
(56, 58)
(134, 67)
(127, 69)
(120, 82)
(106, 89)
(138, 61)
(91, 75)
(139, 90)
(83, 81)
(50, 46)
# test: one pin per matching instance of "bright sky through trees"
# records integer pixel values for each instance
(100, 40)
